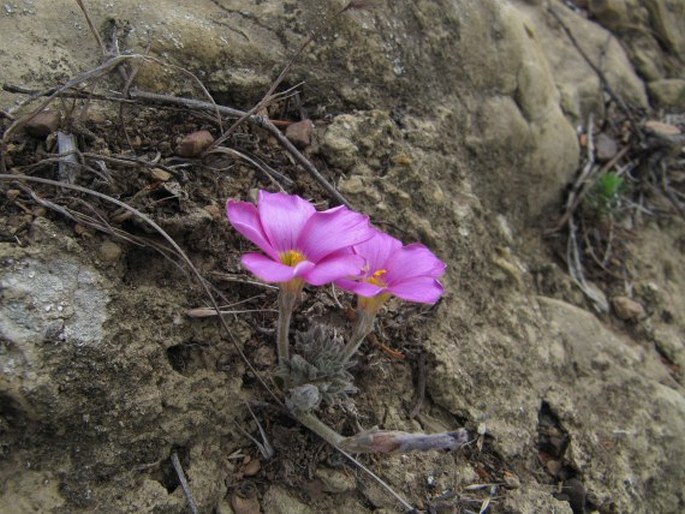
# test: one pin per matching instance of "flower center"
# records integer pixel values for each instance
(377, 278)
(292, 258)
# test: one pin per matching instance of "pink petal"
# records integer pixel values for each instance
(332, 230)
(359, 287)
(245, 219)
(333, 268)
(414, 260)
(378, 250)
(418, 289)
(283, 217)
(270, 270)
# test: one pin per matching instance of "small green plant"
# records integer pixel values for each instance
(607, 193)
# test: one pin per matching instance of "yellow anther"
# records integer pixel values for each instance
(292, 258)
(377, 278)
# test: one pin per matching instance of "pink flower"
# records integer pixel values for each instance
(300, 243)
(409, 272)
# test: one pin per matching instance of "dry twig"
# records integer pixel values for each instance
(184, 482)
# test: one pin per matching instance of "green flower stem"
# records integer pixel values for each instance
(286, 302)
(317, 426)
(362, 328)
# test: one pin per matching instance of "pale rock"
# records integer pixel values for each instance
(43, 123)
(277, 501)
(667, 20)
(161, 175)
(300, 133)
(110, 252)
(668, 93)
(336, 480)
(627, 308)
(578, 82)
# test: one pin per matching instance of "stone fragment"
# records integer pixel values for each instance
(277, 500)
(336, 480)
(511, 481)
(12, 194)
(245, 501)
(300, 133)
(194, 143)
(668, 93)
(160, 174)
(627, 308)
(553, 467)
(605, 147)
(110, 252)
(43, 123)
(251, 468)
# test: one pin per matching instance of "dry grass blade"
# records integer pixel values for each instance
(92, 27)
(270, 173)
(206, 312)
(408, 507)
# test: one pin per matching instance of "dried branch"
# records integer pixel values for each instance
(184, 482)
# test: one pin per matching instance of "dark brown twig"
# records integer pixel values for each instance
(92, 27)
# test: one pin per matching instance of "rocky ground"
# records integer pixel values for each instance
(535, 146)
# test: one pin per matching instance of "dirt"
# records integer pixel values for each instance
(106, 375)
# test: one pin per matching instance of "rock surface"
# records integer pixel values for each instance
(453, 122)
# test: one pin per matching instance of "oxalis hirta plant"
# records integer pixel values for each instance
(338, 246)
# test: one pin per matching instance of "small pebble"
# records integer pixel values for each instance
(245, 501)
(83, 230)
(110, 252)
(12, 194)
(627, 308)
(553, 467)
(252, 468)
(160, 174)
(300, 133)
(195, 143)
(43, 123)
(605, 147)
(511, 481)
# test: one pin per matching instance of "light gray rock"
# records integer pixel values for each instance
(579, 85)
